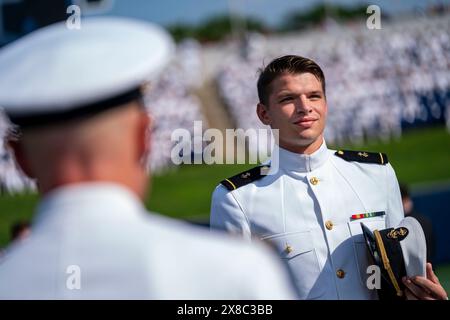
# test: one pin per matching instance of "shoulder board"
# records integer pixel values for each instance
(363, 156)
(245, 177)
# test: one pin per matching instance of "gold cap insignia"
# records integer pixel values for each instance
(399, 233)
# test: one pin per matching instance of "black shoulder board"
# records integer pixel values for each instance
(363, 156)
(244, 178)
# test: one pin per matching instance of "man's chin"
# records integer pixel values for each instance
(300, 142)
(306, 140)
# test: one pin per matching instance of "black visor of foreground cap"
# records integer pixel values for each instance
(37, 119)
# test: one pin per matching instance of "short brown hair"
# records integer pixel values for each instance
(287, 64)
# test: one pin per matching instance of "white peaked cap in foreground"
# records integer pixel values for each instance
(53, 72)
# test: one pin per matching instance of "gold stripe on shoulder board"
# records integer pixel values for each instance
(232, 184)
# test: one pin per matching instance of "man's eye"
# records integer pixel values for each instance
(285, 99)
(315, 96)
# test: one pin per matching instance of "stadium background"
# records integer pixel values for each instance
(388, 90)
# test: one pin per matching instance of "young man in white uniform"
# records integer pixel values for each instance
(310, 205)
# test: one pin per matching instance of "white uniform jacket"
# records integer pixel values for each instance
(96, 241)
(304, 208)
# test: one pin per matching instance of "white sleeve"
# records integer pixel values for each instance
(227, 214)
(395, 211)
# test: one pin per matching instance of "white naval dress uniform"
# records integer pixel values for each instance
(304, 209)
(122, 252)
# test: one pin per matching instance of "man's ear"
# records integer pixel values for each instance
(263, 114)
(16, 147)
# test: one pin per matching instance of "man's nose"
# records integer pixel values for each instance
(302, 105)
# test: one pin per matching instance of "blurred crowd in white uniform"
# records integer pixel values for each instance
(377, 81)
(169, 101)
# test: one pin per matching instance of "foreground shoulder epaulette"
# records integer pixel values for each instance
(244, 178)
(363, 156)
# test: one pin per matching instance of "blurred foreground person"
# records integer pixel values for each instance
(75, 96)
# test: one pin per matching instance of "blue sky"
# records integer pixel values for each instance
(272, 11)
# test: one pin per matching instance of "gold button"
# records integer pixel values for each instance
(340, 152)
(288, 249)
(314, 181)
(340, 273)
(329, 225)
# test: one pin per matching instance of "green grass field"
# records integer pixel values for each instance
(443, 273)
(420, 157)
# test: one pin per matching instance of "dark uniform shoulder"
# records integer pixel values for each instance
(363, 156)
(245, 177)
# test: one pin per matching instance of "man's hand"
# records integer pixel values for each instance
(421, 288)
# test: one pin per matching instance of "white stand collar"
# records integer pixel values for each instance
(298, 162)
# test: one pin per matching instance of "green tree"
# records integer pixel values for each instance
(299, 20)
(215, 28)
